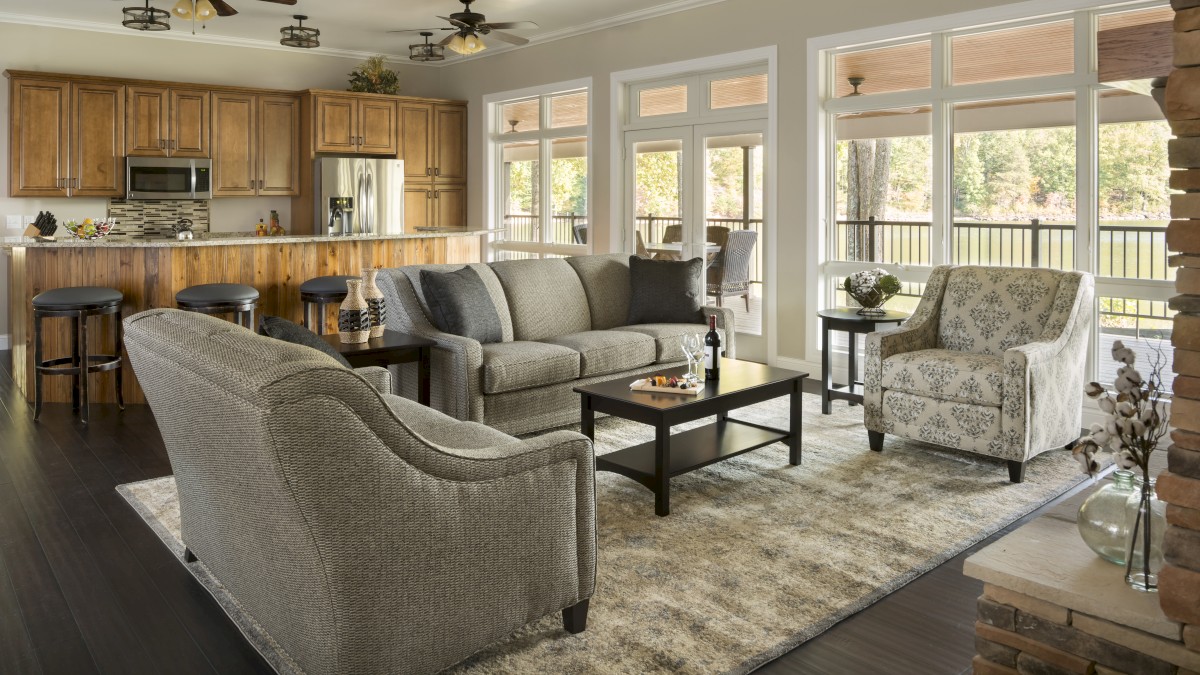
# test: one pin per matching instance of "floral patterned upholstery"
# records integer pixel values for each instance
(992, 362)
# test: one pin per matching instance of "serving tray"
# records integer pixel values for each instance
(644, 385)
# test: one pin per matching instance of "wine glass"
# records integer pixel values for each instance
(698, 353)
(685, 343)
(693, 349)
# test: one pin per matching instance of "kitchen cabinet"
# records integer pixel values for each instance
(354, 124)
(254, 143)
(434, 206)
(166, 122)
(434, 145)
(66, 139)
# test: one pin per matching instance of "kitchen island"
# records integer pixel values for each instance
(150, 271)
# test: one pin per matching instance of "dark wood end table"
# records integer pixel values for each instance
(654, 463)
(394, 347)
(848, 320)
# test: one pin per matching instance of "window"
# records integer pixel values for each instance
(981, 153)
(540, 144)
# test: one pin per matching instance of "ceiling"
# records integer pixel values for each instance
(358, 26)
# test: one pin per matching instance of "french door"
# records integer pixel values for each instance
(688, 188)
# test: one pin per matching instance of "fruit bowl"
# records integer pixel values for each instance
(89, 229)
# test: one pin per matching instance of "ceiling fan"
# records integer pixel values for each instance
(224, 9)
(468, 28)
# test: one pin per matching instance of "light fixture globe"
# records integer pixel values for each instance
(183, 10)
(425, 51)
(299, 36)
(458, 44)
(146, 18)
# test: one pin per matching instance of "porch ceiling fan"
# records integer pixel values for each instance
(469, 27)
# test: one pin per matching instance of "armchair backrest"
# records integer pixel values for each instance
(987, 310)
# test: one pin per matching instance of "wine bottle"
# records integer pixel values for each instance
(712, 351)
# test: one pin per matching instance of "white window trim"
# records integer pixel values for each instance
(821, 192)
(492, 156)
(619, 82)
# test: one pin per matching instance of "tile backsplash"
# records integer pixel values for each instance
(154, 217)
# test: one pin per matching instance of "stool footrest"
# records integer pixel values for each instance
(97, 363)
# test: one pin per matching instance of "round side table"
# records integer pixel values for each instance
(848, 320)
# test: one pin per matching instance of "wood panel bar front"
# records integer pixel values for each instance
(150, 276)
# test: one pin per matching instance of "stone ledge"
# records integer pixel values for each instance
(1047, 559)
(1171, 652)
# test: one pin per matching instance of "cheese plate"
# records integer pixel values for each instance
(644, 385)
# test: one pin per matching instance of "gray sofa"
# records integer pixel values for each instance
(564, 325)
(364, 532)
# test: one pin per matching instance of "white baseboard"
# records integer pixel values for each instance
(5, 342)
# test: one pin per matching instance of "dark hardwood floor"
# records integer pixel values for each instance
(86, 587)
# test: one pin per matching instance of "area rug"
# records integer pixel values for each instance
(757, 555)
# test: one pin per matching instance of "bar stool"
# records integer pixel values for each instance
(77, 303)
(322, 291)
(238, 299)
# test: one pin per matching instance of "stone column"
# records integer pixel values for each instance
(1179, 486)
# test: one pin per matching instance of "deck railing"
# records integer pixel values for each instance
(654, 228)
(1133, 251)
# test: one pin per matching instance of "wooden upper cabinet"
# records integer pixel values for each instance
(450, 143)
(335, 123)
(189, 123)
(147, 110)
(278, 145)
(39, 130)
(416, 124)
(234, 144)
(166, 122)
(97, 140)
(378, 131)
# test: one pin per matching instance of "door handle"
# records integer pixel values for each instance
(75, 183)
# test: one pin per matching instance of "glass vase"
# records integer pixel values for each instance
(1147, 521)
(1102, 520)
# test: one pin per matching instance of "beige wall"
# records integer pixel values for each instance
(136, 55)
(721, 28)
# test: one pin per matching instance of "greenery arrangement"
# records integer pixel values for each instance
(374, 77)
(871, 288)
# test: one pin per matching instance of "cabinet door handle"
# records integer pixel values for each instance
(75, 183)
(437, 194)
(260, 184)
(437, 172)
(428, 171)
(428, 194)
(162, 145)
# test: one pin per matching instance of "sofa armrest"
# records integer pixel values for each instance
(377, 377)
(725, 321)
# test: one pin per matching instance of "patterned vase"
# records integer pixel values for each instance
(375, 304)
(354, 319)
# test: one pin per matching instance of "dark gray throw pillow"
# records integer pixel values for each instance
(282, 329)
(665, 291)
(459, 304)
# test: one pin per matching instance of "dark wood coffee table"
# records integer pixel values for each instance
(394, 347)
(653, 464)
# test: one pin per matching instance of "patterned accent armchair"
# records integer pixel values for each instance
(991, 362)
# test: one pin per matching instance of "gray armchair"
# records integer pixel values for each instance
(366, 533)
(992, 362)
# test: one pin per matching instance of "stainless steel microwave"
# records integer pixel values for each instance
(168, 178)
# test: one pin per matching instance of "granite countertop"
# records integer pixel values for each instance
(218, 239)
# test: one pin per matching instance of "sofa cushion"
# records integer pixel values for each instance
(459, 304)
(946, 375)
(545, 298)
(606, 282)
(666, 338)
(282, 329)
(468, 436)
(411, 274)
(988, 310)
(508, 366)
(609, 351)
(664, 291)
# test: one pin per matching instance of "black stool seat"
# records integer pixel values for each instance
(332, 285)
(216, 294)
(78, 296)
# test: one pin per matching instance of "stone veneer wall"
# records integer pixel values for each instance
(1179, 486)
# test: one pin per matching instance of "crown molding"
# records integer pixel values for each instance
(592, 26)
(207, 38)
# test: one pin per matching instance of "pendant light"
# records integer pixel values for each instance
(146, 18)
(426, 51)
(299, 36)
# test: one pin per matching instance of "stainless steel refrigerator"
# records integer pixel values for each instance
(359, 195)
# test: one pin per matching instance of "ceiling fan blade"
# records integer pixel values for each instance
(223, 8)
(456, 22)
(512, 24)
(507, 37)
(419, 30)
(281, 2)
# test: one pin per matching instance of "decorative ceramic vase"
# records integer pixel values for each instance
(375, 303)
(1147, 522)
(354, 318)
(1102, 522)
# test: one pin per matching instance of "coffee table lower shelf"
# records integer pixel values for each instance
(690, 450)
